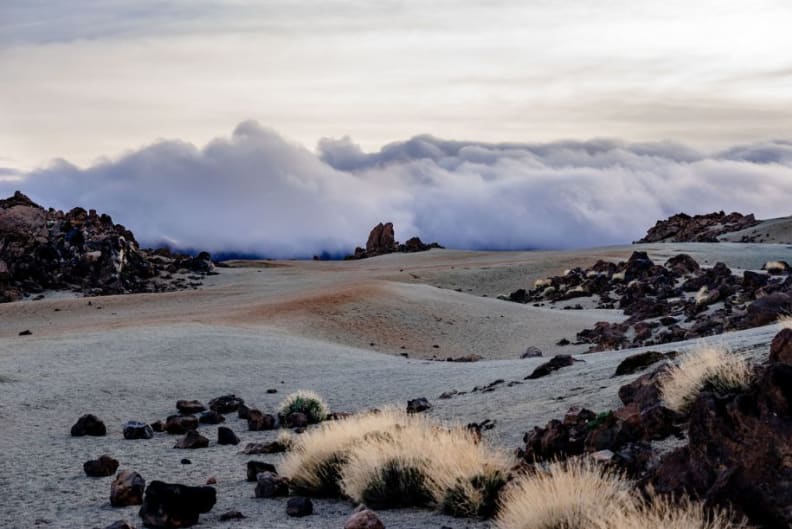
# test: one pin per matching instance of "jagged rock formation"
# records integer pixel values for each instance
(698, 228)
(382, 240)
(738, 448)
(81, 251)
(677, 301)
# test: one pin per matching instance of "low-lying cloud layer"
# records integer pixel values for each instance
(256, 192)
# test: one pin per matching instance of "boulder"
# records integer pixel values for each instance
(89, 425)
(102, 467)
(273, 447)
(170, 505)
(192, 440)
(269, 485)
(137, 430)
(381, 239)
(767, 309)
(127, 489)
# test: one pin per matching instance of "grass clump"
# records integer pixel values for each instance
(711, 367)
(315, 461)
(393, 459)
(575, 494)
(663, 513)
(307, 402)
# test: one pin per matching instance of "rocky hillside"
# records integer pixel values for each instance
(82, 251)
(698, 228)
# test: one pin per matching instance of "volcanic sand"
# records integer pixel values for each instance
(292, 325)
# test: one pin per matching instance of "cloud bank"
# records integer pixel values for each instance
(257, 193)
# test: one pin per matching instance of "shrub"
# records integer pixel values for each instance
(710, 367)
(476, 496)
(307, 402)
(574, 494)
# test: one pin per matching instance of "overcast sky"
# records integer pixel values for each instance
(290, 127)
(89, 78)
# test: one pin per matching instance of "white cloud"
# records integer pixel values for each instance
(256, 192)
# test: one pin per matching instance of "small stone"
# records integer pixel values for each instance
(89, 425)
(269, 485)
(127, 489)
(120, 524)
(226, 436)
(189, 407)
(254, 468)
(364, 519)
(137, 430)
(26, 332)
(272, 390)
(210, 417)
(299, 507)
(418, 405)
(226, 404)
(211, 481)
(260, 421)
(185, 461)
(192, 440)
(171, 505)
(296, 420)
(532, 352)
(180, 424)
(102, 467)
(231, 515)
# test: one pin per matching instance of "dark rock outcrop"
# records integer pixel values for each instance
(738, 450)
(81, 251)
(418, 405)
(698, 228)
(554, 364)
(382, 241)
(226, 436)
(226, 404)
(170, 506)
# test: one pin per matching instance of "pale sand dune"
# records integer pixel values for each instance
(287, 327)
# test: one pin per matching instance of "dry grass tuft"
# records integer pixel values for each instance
(663, 513)
(785, 321)
(307, 402)
(575, 494)
(579, 494)
(392, 459)
(314, 464)
(709, 366)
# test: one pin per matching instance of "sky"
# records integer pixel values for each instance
(290, 100)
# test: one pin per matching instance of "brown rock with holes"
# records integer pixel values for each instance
(127, 489)
(364, 519)
(189, 407)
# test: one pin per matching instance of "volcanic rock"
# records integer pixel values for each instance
(127, 489)
(226, 404)
(555, 363)
(189, 407)
(137, 430)
(89, 425)
(269, 485)
(364, 519)
(102, 467)
(170, 505)
(192, 440)
(254, 468)
(179, 424)
(299, 506)
(226, 436)
(418, 405)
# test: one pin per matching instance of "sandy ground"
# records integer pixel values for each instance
(296, 325)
